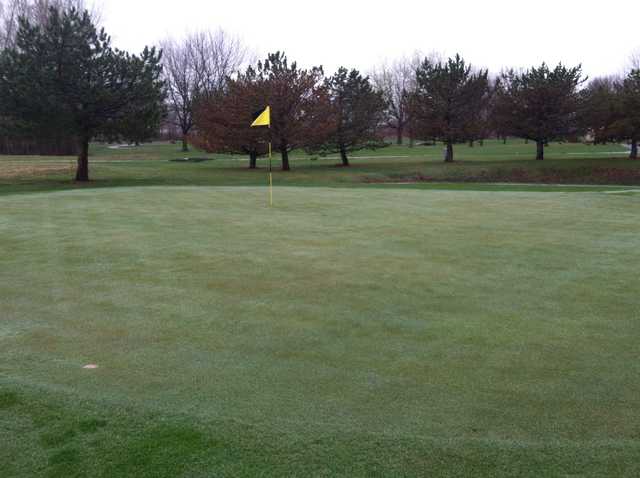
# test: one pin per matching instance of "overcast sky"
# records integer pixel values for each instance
(492, 33)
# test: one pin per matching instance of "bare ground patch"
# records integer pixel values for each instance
(30, 170)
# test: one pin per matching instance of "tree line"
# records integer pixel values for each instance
(446, 100)
(59, 74)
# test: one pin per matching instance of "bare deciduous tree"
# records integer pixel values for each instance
(397, 81)
(634, 60)
(9, 14)
(196, 67)
(37, 12)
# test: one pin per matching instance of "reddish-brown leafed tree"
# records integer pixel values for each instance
(301, 114)
(224, 120)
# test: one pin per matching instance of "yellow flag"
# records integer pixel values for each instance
(263, 119)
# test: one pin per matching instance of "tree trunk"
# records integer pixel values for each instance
(82, 173)
(471, 143)
(634, 149)
(185, 144)
(504, 140)
(343, 156)
(448, 157)
(482, 142)
(400, 135)
(285, 156)
(253, 156)
(539, 150)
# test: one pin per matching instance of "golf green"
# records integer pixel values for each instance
(351, 332)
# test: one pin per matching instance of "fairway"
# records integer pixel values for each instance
(344, 332)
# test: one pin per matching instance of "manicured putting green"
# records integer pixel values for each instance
(343, 332)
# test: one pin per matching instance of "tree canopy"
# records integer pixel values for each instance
(628, 124)
(224, 119)
(448, 101)
(540, 104)
(300, 107)
(64, 73)
(357, 111)
(599, 109)
(196, 68)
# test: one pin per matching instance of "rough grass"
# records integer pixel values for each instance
(346, 332)
(475, 168)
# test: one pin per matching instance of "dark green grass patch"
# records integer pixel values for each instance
(140, 444)
(191, 160)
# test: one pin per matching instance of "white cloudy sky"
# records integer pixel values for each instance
(491, 33)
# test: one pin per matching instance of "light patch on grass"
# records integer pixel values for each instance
(623, 191)
(15, 170)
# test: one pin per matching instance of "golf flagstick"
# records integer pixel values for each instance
(270, 172)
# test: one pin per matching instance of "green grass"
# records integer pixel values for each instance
(475, 169)
(358, 328)
(345, 332)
